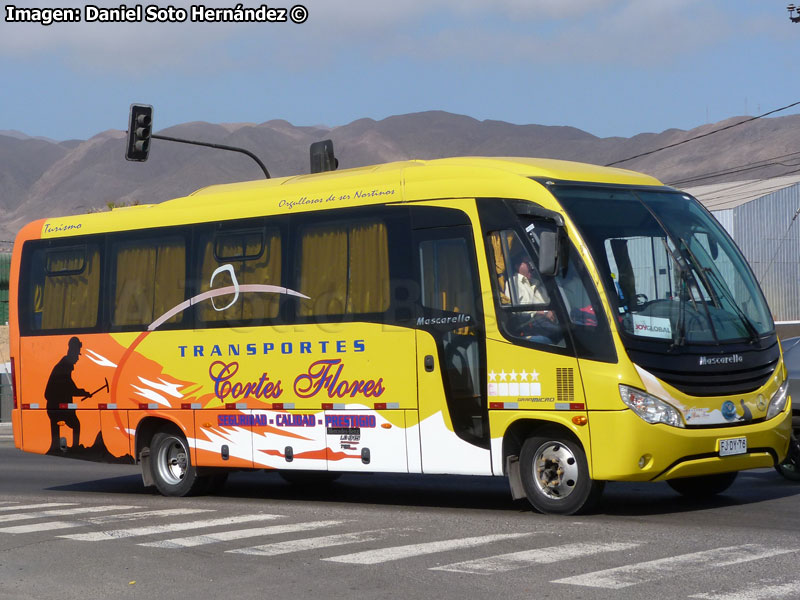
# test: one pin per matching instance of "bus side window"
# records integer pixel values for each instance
(343, 269)
(66, 287)
(150, 279)
(254, 255)
(518, 286)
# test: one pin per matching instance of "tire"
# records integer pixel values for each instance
(790, 466)
(171, 466)
(704, 486)
(309, 478)
(555, 475)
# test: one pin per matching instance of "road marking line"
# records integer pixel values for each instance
(373, 557)
(537, 556)
(61, 513)
(114, 534)
(634, 574)
(54, 525)
(36, 527)
(757, 592)
(146, 514)
(239, 534)
(29, 506)
(314, 543)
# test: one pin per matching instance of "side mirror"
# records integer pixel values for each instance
(549, 252)
(713, 248)
(322, 158)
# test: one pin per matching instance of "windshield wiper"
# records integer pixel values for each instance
(752, 332)
(720, 286)
(679, 339)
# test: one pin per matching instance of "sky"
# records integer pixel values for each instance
(608, 67)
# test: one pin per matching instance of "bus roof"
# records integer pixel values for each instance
(464, 177)
(524, 167)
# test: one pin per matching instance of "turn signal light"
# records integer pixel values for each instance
(580, 420)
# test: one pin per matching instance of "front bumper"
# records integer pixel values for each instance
(625, 448)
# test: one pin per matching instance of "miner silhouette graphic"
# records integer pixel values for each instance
(59, 393)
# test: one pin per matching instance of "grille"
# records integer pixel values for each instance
(699, 383)
(686, 373)
(565, 385)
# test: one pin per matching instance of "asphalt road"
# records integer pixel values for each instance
(76, 530)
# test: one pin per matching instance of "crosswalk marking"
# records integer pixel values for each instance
(373, 557)
(314, 543)
(29, 506)
(59, 525)
(757, 592)
(154, 529)
(60, 513)
(36, 527)
(540, 556)
(146, 514)
(642, 572)
(239, 534)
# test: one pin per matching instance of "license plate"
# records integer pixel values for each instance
(733, 446)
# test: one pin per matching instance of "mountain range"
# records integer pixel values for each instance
(42, 177)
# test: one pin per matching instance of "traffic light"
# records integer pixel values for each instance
(140, 126)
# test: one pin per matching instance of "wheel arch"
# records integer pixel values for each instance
(521, 429)
(145, 431)
(149, 426)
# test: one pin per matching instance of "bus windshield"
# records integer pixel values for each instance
(670, 270)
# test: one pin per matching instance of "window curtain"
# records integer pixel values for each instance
(369, 269)
(251, 263)
(344, 269)
(150, 280)
(71, 300)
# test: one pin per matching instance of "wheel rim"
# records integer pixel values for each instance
(172, 460)
(555, 470)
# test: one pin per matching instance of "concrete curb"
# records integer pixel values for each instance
(6, 431)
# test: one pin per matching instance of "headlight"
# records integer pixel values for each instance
(650, 408)
(778, 401)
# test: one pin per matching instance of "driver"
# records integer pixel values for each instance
(540, 325)
(527, 290)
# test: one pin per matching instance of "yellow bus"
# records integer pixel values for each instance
(555, 323)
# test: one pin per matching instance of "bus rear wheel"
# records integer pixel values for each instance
(555, 475)
(171, 466)
(704, 486)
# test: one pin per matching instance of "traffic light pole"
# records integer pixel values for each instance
(217, 146)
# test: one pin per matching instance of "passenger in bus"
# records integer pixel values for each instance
(61, 389)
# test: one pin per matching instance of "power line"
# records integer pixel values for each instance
(702, 135)
(739, 169)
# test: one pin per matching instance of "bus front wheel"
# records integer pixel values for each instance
(171, 467)
(555, 475)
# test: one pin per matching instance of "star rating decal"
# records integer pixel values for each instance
(514, 383)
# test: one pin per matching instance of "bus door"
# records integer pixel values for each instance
(544, 324)
(451, 353)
